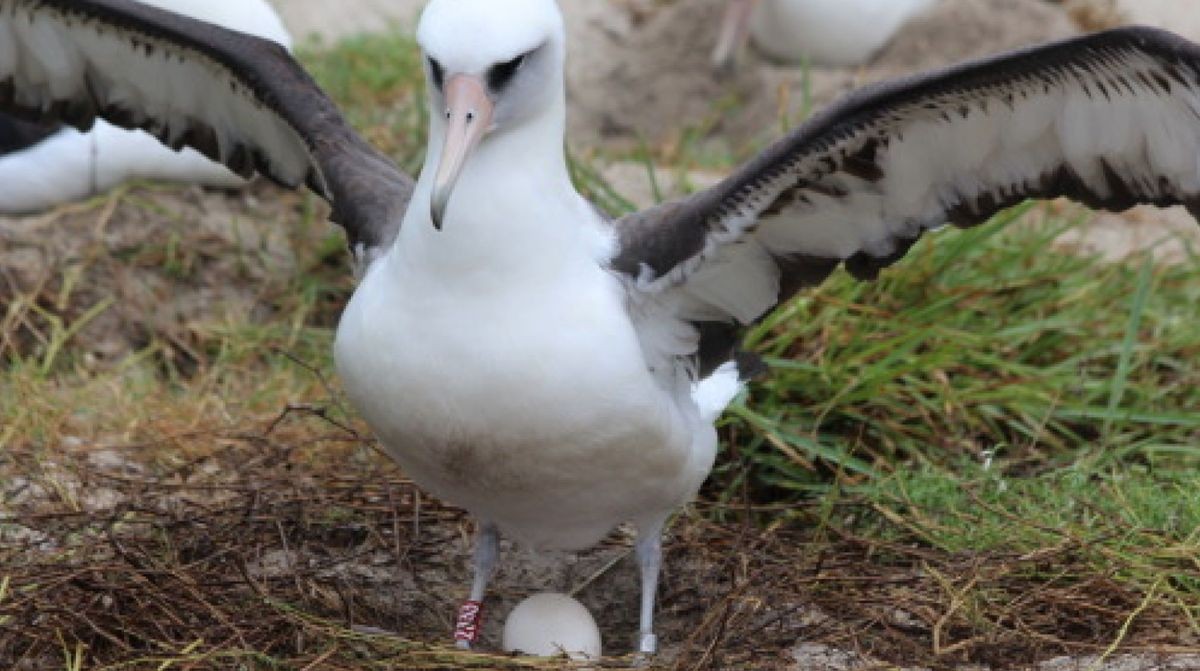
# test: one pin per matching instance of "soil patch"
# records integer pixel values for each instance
(647, 76)
(153, 266)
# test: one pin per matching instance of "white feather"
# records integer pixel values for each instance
(742, 282)
(714, 393)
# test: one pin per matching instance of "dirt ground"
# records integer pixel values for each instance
(647, 75)
(639, 70)
(159, 262)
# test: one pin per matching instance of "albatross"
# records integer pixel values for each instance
(43, 166)
(827, 32)
(553, 371)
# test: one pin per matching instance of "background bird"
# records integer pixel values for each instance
(46, 165)
(823, 32)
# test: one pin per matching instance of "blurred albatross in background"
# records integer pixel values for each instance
(825, 32)
(554, 372)
(42, 166)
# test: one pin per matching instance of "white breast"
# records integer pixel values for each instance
(526, 400)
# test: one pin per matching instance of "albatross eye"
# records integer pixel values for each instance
(500, 75)
(436, 72)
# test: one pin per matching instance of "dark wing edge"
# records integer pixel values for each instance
(17, 135)
(240, 100)
(1111, 120)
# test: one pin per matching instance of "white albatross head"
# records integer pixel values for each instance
(492, 66)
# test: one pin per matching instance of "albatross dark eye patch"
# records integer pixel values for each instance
(437, 72)
(500, 75)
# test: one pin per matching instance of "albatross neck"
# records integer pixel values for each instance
(514, 205)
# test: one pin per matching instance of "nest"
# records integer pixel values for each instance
(293, 543)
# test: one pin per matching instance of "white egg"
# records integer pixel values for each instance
(548, 624)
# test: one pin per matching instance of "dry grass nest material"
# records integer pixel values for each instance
(290, 542)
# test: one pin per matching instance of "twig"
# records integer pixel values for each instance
(1126, 625)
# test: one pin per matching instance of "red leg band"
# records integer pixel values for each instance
(470, 621)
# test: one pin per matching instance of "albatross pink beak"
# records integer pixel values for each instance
(469, 113)
(735, 30)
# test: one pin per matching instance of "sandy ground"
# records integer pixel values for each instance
(1181, 16)
(332, 21)
(813, 657)
(648, 76)
(639, 70)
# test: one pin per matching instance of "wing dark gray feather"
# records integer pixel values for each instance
(1111, 120)
(17, 135)
(240, 100)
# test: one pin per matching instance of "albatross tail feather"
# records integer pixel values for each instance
(714, 393)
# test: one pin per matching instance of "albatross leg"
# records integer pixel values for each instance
(470, 614)
(649, 555)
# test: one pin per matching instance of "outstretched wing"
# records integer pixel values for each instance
(1110, 120)
(238, 99)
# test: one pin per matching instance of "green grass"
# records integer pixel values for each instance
(989, 394)
(378, 81)
(982, 343)
(1133, 511)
